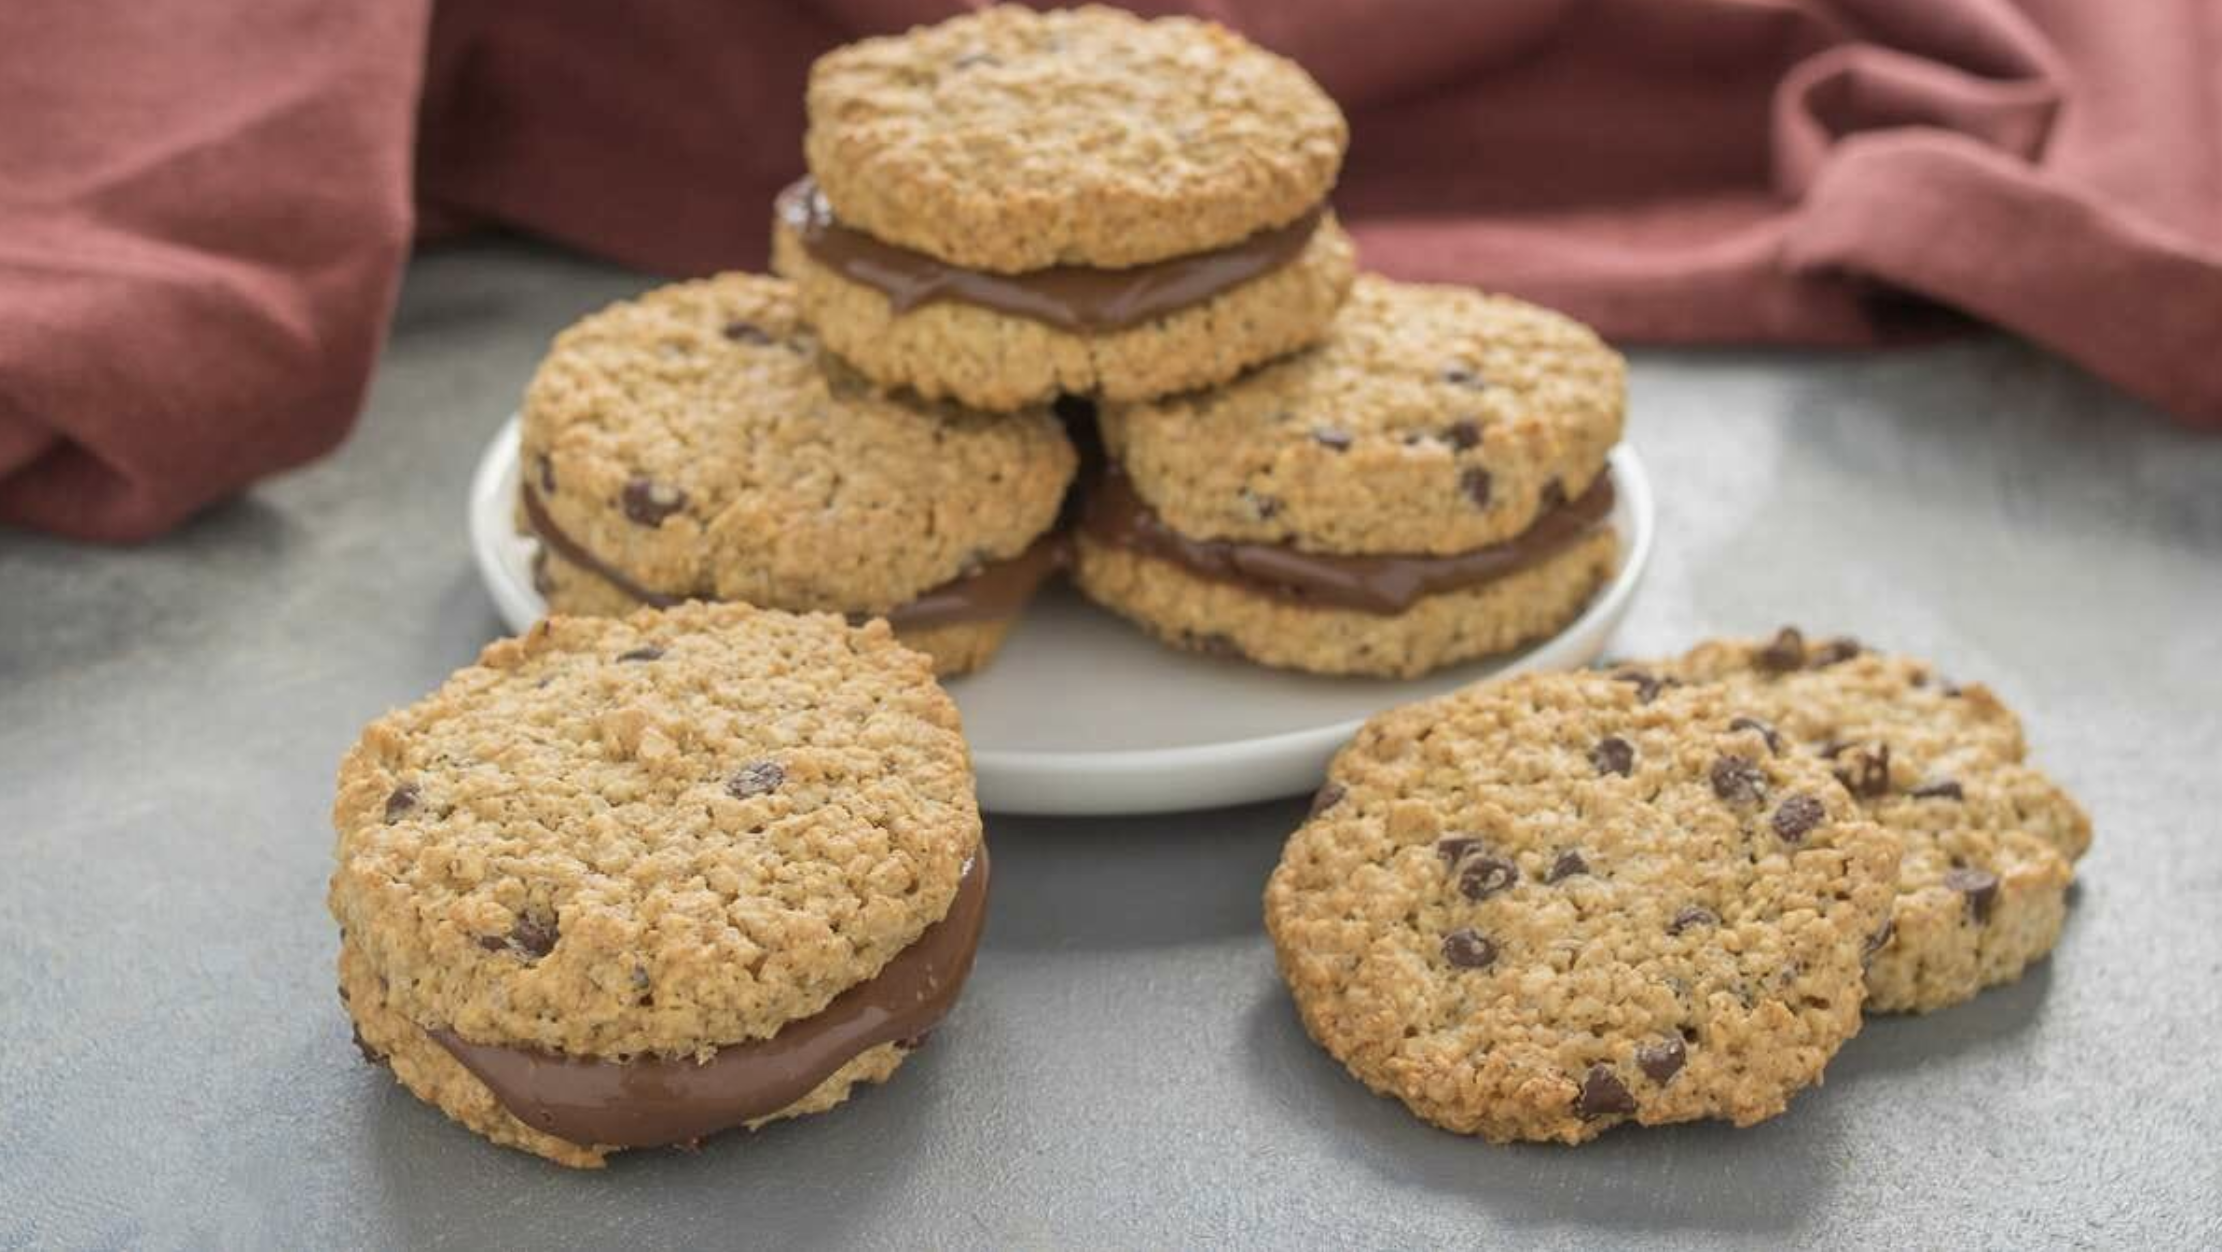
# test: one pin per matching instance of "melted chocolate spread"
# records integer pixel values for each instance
(1076, 298)
(651, 1101)
(995, 591)
(1373, 584)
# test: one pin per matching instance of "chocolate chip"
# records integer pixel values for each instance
(1737, 780)
(547, 475)
(1941, 789)
(1263, 505)
(1554, 495)
(1326, 798)
(1613, 755)
(1797, 816)
(1453, 848)
(649, 503)
(1459, 375)
(1766, 732)
(1663, 1060)
(370, 1054)
(1603, 1094)
(649, 653)
(1648, 686)
(1568, 864)
(493, 943)
(759, 778)
(1692, 915)
(533, 937)
(1869, 775)
(1878, 941)
(1329, 437)
(401, 800)
(1835, 651)
(1468, 950)
(1475, 483)
(746, 332)
(1783, 653)
(1483, 876)
(1980, 886)
(1463, 435)
(1216, 644)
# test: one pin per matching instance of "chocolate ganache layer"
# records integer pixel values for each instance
(997, 590)
(1386, 585)
(652, 1101)
(1076, 298)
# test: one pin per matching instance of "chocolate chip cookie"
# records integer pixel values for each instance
(629, 882)
(698, 444)
(1989, 841)
(1540, 908)
(1013, 204)
(1427, 486)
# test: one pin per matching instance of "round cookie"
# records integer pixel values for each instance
(1538, 908)
(1011, 140)
(1443, 446)
(634, 846)
(1219, 618)
(954, 647)
(697, 443)
(1989, 841)
(1014, 204)
(991, 359)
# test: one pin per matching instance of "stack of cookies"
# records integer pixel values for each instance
(1015, 215)
(701, 850)
(1661, 892)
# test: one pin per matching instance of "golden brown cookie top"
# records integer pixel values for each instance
(1920, 752)
(1536, 908)
(1432, 420)
(660, 833)
(1011, 140)
(1939, 764)
(699, 441)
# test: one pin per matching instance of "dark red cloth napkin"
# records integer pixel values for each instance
(201, 221)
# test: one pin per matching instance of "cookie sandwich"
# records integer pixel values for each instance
(1013, 204)
(1990, 842)
(1427, 486)
(630, 882)
(1537, 909)
(699, 444)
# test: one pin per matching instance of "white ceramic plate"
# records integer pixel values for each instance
(1081, 713)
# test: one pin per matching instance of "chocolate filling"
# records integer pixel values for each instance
(1076, 298)
(1386, 585)
(651, 1101)
(997, 590)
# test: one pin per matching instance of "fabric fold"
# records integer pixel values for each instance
(202, 223)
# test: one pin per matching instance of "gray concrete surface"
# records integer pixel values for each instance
(1125, 1071)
